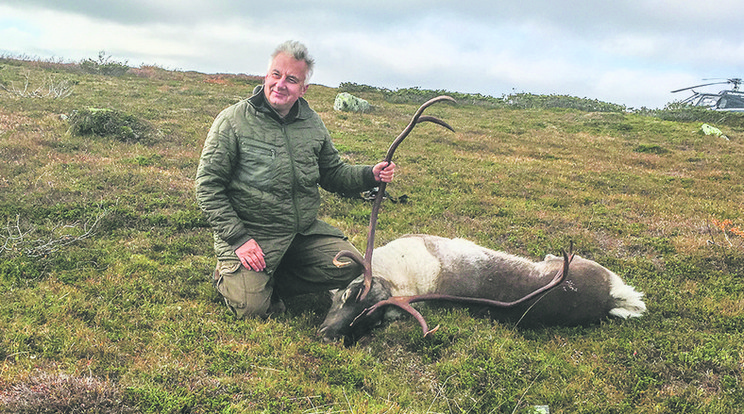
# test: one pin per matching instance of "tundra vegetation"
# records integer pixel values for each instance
(106, 305)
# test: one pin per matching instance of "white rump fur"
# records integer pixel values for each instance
(413, 269)
(629, 299)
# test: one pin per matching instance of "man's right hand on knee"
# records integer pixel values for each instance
(251, 256)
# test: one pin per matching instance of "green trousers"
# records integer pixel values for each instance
(307, 267)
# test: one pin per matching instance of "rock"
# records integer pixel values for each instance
(709, 130)
(349, 103)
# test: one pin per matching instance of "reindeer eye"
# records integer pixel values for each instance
(345, 295)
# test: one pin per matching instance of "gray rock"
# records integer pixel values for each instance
(349, 103)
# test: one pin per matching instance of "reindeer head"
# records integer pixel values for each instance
(347, 318)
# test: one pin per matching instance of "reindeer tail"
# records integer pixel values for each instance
(628, 301)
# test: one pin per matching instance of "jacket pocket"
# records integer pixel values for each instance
(257, 164)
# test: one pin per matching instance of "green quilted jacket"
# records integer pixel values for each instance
(258, 177)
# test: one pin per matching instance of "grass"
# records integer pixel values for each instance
(105, 259)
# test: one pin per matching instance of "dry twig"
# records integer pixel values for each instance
(21, 242)
(51, 89)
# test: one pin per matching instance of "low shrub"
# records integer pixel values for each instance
(680, 112)
(417, 95)
(104, 66)
(110, 123)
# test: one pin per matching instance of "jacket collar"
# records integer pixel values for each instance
(300, 110)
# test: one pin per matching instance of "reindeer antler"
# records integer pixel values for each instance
(404, 302)
(417, 119)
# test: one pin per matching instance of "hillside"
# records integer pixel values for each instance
(105, 259)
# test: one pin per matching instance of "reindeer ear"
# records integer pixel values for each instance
(351, 292)
(345, 295)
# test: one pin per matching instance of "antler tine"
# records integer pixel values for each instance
(431, 102)
(436, 121)
(570, 251)
(417, 118)
(559, 277)
(403, 302)
(354, 256)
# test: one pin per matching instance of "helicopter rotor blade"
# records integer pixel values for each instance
(728, 80)
(699, 86)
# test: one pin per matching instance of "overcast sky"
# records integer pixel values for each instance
(630, 52)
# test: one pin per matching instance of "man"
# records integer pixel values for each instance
(257, 183)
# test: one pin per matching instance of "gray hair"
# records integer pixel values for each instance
(297, 51)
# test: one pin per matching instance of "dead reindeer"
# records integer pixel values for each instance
(419, 268)
(567, 290)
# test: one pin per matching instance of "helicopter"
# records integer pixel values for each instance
(725, 100)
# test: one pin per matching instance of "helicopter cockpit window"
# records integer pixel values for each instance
(731, 101)
(709, 101)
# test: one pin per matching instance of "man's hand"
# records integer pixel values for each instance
(251, 256)
(384, 172)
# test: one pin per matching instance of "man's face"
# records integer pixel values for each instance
(285, 82)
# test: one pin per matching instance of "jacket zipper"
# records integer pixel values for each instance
(293, 169)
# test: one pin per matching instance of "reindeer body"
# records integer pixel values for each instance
(423, 264)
